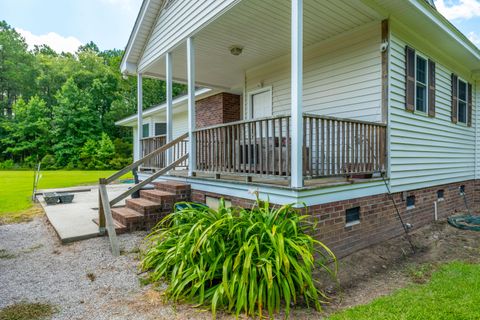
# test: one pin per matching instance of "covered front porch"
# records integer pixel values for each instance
(261, 150)
(310, 91)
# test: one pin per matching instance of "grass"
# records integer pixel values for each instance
(16, 190)
(452, 293)
(27, 311)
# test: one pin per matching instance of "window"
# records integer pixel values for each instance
(462, 101)
(462, 189)
(440, 194)
(410, 202)
(421, 84)
(352, 216)
(146, 130)
(160, 128)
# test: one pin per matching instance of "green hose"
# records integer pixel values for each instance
(465, 222)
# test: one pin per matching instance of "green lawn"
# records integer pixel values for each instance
(452, 293)
(16, 189)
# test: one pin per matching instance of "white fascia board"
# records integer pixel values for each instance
(283, 195)
(447, 27)
(131, 120)
(128, 68)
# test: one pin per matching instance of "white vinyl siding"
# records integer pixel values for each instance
(342, 78)
(180, 123)
(426, 151)
(476, 115)
(178, 21)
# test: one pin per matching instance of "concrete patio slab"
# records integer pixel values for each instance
(74, 221)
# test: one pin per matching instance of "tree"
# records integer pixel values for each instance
(29, 131)
(16, 69)
(74, 123)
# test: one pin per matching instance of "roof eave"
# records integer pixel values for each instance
(444, 24)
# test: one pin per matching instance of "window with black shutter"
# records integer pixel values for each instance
(461, 101)
(420, 83)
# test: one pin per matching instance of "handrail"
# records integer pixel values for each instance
(228, 124)
(148, 180)
(223, 125)
(105, 218)
(137, 163)
(319, 116)
(153, 137)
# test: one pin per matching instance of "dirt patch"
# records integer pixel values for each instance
(22, 216)
(391, 265)
(365, 275)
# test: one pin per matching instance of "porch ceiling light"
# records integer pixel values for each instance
(236, 50)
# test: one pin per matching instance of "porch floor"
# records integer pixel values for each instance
(266, 181)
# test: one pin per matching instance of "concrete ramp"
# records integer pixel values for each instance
(74, 221)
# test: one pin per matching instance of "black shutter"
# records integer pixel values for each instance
(469, 105)
(410, 79)
(431, 88)
(454, 98)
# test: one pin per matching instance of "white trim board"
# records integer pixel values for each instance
(283, 195)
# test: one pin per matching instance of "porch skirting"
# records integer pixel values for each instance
(378, 219)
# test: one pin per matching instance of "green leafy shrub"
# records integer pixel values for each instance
(48, 162)
(119, 163)
(238, 259)
(7, 164)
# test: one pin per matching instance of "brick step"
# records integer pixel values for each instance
(144, 206)
(158, 196)
(171, 186)
(127, 216)
(181, 190)
(119, 227)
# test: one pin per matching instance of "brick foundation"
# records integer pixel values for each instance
(378, 218)
(220, 108)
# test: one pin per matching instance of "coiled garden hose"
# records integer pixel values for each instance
(466, 221)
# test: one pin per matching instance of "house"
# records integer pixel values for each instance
(329, 104)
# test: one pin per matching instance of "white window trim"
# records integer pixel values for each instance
(458, 101)
(426, 83)
(250, 95)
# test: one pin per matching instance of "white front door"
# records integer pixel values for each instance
(261, 104)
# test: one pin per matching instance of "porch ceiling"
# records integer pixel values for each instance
(262, 28)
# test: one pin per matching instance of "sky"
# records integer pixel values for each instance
(66, 24)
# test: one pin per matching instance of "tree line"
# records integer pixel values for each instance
(60, 108)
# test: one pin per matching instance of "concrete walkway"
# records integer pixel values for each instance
(74, 221)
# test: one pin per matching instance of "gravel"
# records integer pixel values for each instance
(36, 267)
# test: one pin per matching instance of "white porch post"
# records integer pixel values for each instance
(139, 114)
(191, 105)
(297, 93)
(169, 116)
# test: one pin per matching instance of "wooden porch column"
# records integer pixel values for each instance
(139, 114)
(191, 105)
(297, 90)
(169, 111)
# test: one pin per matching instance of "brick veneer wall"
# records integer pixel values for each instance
(220, 108)
(378, 218)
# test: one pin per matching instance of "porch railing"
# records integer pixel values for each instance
(151, 144)
(105, 219)
(332, 147)
(259, 146)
